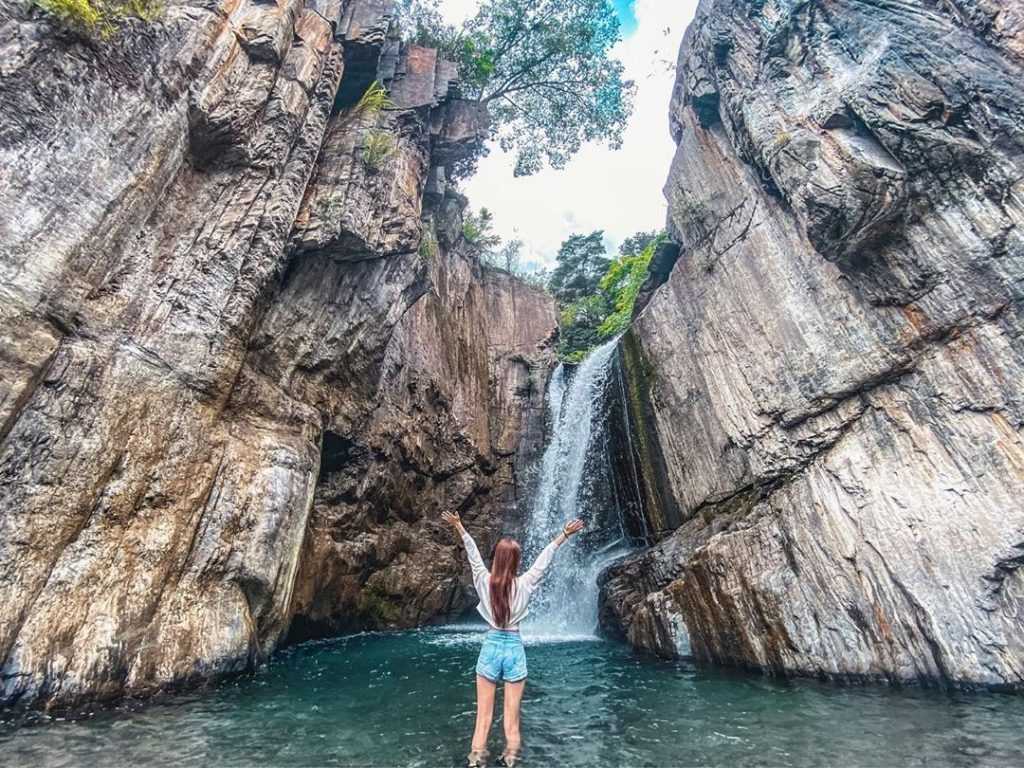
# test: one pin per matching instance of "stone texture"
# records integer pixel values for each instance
(462, 383)
(334, 215)
(831, 373)
(180, 376)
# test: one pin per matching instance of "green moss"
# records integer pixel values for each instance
(639, 373)
(377, 606)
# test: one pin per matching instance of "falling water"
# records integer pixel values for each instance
(573, 483)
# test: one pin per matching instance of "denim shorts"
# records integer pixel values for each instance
(502, 657)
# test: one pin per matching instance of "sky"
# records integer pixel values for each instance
(615, 191)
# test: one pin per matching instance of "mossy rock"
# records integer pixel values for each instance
(378, 607)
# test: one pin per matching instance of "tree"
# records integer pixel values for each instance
(543, 68)
(580, 264)
(636, 244)
(579, 325)
(478, 232)
(508, 257)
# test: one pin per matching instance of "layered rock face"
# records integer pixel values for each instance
(242, 362)
(829, 382)
(456, 419)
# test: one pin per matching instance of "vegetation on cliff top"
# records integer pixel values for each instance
(478, 233)
(596, 294)
(480, 240)
(543, 68)
(98, 18)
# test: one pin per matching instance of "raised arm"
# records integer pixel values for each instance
(472, 551)
(532, 577)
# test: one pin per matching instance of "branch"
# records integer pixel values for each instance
(525, 70)
(509, 99)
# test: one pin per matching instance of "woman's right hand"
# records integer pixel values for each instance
(573, 527)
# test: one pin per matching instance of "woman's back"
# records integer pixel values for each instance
(522, 589)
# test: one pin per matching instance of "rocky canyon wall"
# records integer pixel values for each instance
(243, 364)
(827, 388)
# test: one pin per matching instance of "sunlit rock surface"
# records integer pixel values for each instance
(831, 377)
(227, 346)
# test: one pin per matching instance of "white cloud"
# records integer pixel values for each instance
(457, 11)
(617, 191)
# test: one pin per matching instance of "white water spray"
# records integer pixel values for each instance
(566, 604)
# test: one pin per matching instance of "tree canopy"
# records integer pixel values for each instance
(543, 68)
(636, 244)
(622, 282)
(595, 294)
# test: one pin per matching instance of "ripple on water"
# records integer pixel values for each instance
(407, 699)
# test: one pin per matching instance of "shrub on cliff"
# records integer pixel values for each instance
(622, 283)
(478, 233)
(98, 18)
(373, 101)
(378, 146)
(542, 67)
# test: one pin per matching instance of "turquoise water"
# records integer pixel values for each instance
(407, 699)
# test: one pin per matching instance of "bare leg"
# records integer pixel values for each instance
(484, 713)
(513, 698)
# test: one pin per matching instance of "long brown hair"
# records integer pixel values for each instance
(504, 568)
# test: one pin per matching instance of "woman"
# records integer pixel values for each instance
(503, 604)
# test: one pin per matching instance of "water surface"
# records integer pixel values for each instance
(407, 699)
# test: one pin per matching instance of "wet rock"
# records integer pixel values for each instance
(831, 371)
(639, 595)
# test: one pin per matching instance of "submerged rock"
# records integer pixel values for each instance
(831, 375)
(229, 348)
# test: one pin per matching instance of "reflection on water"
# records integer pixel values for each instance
(407, 699)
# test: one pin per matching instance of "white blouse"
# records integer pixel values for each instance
(524, 585)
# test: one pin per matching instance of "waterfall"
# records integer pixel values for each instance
(574, 475)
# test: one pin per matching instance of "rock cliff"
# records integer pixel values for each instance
(243, 359)
(826, 390)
